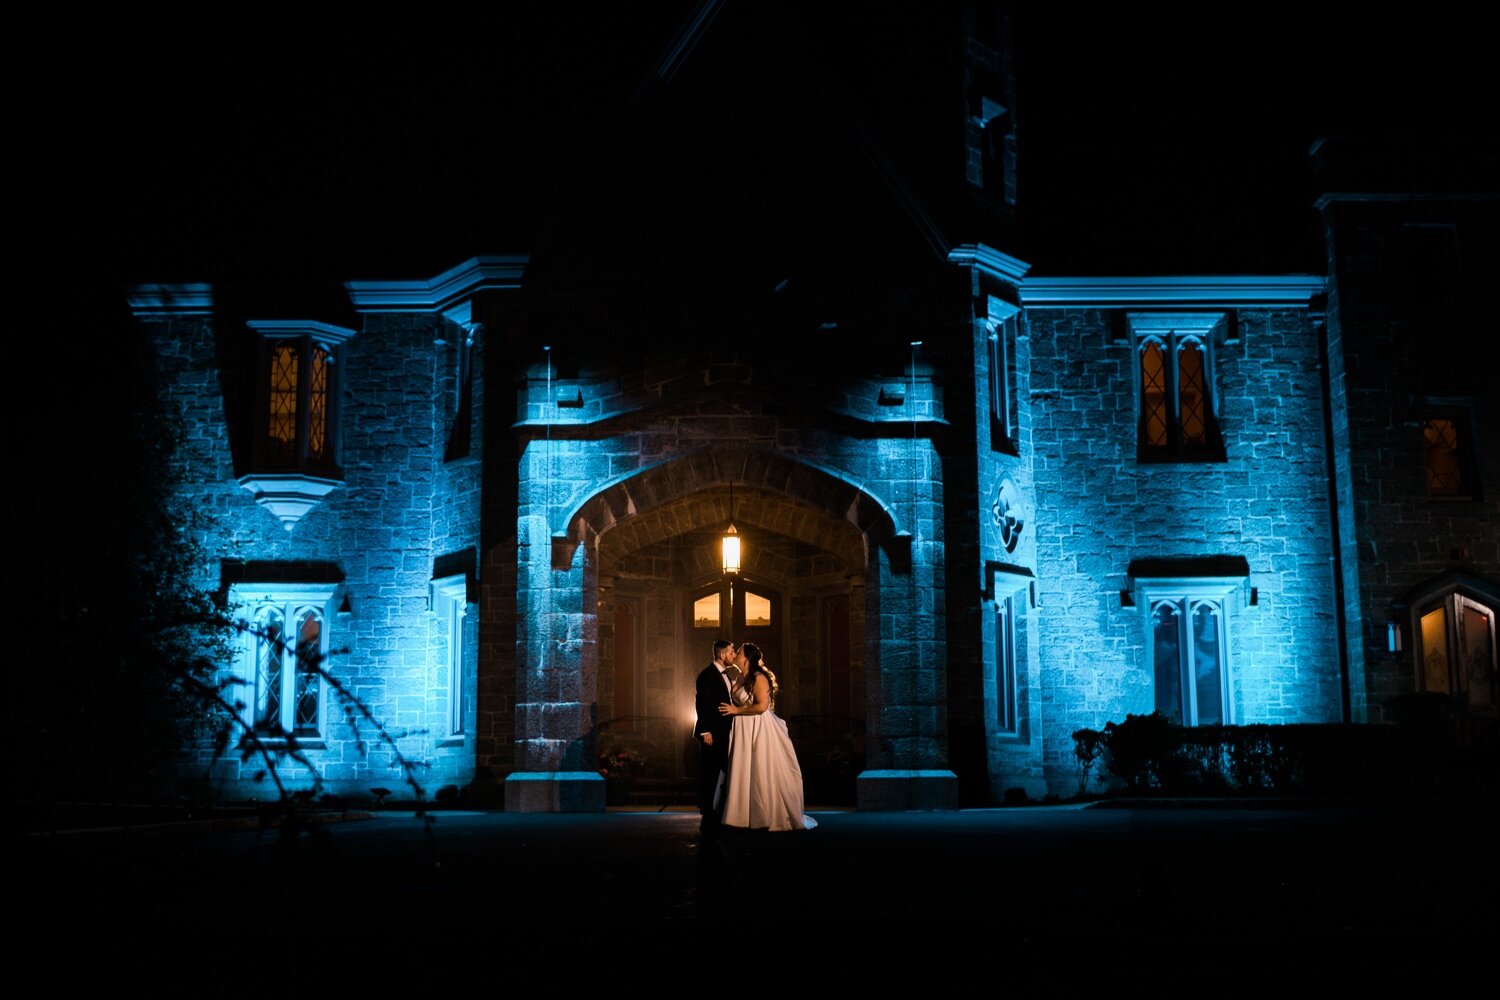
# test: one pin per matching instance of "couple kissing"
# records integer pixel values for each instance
(748, 777)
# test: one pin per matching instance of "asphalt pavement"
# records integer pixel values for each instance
(1043, 900)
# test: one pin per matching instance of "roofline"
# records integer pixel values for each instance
(989, 260)
(171, 300)
(476, 274)
(1225, 291)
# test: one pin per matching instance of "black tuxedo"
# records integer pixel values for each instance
(712, 692)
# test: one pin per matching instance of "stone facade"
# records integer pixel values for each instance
(981, 508)
(400, 516)
(1412, 254)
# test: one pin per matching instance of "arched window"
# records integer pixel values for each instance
(1175, 389)
(1187, 643)
(270, 656)
(1189, 660)
(284, 667)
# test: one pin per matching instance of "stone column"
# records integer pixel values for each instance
(555, 656)
(906, 672)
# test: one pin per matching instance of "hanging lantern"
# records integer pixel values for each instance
(729, 547)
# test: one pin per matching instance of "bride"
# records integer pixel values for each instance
(764, 787)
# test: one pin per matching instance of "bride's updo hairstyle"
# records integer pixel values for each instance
(756, 665)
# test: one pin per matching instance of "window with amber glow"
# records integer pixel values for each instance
(1456, 654)
(757, 610)
(706, 611)
(1444, 462)
(1177, 421)
(296, 398)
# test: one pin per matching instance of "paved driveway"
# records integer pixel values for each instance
(1049, 900)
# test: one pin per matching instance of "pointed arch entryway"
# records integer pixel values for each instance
(663, 598)
(615, 556)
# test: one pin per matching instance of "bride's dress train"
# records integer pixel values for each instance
(764, 788)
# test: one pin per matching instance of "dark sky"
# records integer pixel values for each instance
(1147, 142)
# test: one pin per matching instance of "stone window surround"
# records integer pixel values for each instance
(1002, 330)
(1463, 412)
(1012, 588)
(290, 493)
(449, 601)
(1172, 331)
(1227, 595)
(1007, 669)
(293, 600)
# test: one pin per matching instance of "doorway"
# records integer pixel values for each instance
(1457, 651)
(737, 609)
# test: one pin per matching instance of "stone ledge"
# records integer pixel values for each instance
(888, 791)
(554, 792)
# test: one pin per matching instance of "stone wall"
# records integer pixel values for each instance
(1098, 508)
(1412, 283)
(378, 536)
(601, 467)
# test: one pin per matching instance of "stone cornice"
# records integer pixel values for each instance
(989, 260)
(435, 294)
(301, 327)
(1227, 291)
(171, 300)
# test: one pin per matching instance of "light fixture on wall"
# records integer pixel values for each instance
(729, 547)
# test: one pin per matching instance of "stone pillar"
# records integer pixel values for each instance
(906, 673)
(556, 657)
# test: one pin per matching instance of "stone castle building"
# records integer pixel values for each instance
(979, 507)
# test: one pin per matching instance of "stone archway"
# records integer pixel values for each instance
(802, 582)
(558, 599)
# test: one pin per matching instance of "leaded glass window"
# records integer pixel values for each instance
(1444, 460)
(270, 650)
(297, 398)
(282, 443)
(1178, 419)
(309, 661)
(284, 666)
(317, 415)
(1192, 393)
(1153, 395)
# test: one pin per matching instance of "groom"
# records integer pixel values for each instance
(712, 729)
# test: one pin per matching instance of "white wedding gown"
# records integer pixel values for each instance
(764, 787)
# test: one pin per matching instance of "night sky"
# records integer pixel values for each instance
(1148, 144)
